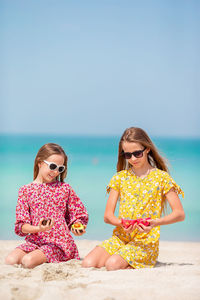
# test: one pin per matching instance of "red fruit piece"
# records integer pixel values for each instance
(126, 223)
(143, 221)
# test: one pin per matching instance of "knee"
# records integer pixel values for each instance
(88, 263)
(112, 264)
(11, 260)
(27, 262)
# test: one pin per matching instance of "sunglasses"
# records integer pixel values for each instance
(137, 154)
(53, 167)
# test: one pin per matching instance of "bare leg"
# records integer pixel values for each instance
(96, 258)
(33, 259)
(15, 257)
(116, 262)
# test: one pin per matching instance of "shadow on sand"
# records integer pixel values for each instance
(161, 264)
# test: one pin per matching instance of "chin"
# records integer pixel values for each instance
(135, 165)
(49, 179)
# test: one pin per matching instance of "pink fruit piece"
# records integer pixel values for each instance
(143, 221)
(126, 223)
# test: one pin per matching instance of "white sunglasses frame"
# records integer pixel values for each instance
(57, 167)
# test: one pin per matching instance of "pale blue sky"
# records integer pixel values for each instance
(98, 67)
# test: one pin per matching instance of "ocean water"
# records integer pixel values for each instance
(92, 162)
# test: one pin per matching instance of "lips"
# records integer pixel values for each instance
(50, 177)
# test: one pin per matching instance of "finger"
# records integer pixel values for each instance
(139, 228)
(128, 228)
(142, 226)
(51, 222)
(41, 220)
(152, 222)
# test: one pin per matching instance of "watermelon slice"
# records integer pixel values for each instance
(126, 222)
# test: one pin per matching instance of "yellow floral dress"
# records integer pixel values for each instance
(139, 198)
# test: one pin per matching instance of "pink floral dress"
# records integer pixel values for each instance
(55, 200)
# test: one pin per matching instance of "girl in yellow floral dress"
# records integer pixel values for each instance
(143, 187)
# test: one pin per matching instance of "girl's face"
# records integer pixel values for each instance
(140, 159)
(46, 175)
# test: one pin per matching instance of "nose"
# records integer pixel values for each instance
(55, 172)
(133, 158)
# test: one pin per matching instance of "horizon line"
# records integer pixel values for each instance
(90, 135)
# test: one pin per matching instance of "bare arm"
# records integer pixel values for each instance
(177, 214)
(109, 216)
(27, 228)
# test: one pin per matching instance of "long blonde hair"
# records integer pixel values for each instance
(44, 152)
(138, 135)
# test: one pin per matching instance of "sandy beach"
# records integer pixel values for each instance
(176, 276)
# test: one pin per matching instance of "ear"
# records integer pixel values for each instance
(148, 150)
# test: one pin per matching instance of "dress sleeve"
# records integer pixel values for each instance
(114, 183)
(22, 213)
(168, 183)
(76, 211)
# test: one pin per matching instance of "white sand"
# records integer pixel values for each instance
(176, 276)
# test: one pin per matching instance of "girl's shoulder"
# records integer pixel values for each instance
(167, 182)
(117, 180)
(160, 174)
(120, 175)
(24, 187)
(60, 185)
(162, 177)
(65, 186)
(35, 186)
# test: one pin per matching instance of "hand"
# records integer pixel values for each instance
(130, 229)
(78, 232)
(153, 222)
(50, 223)
(145, 229)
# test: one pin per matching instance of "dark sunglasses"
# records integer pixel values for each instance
(52, 166)
(137, 154)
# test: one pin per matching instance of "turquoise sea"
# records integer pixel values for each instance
(92, 162)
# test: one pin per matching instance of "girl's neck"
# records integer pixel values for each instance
(40, 180)
(142, 171)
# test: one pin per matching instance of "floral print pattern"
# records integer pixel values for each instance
(139, 198)
(57, 201)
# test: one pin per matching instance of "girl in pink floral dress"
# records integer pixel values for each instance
(46, 210)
